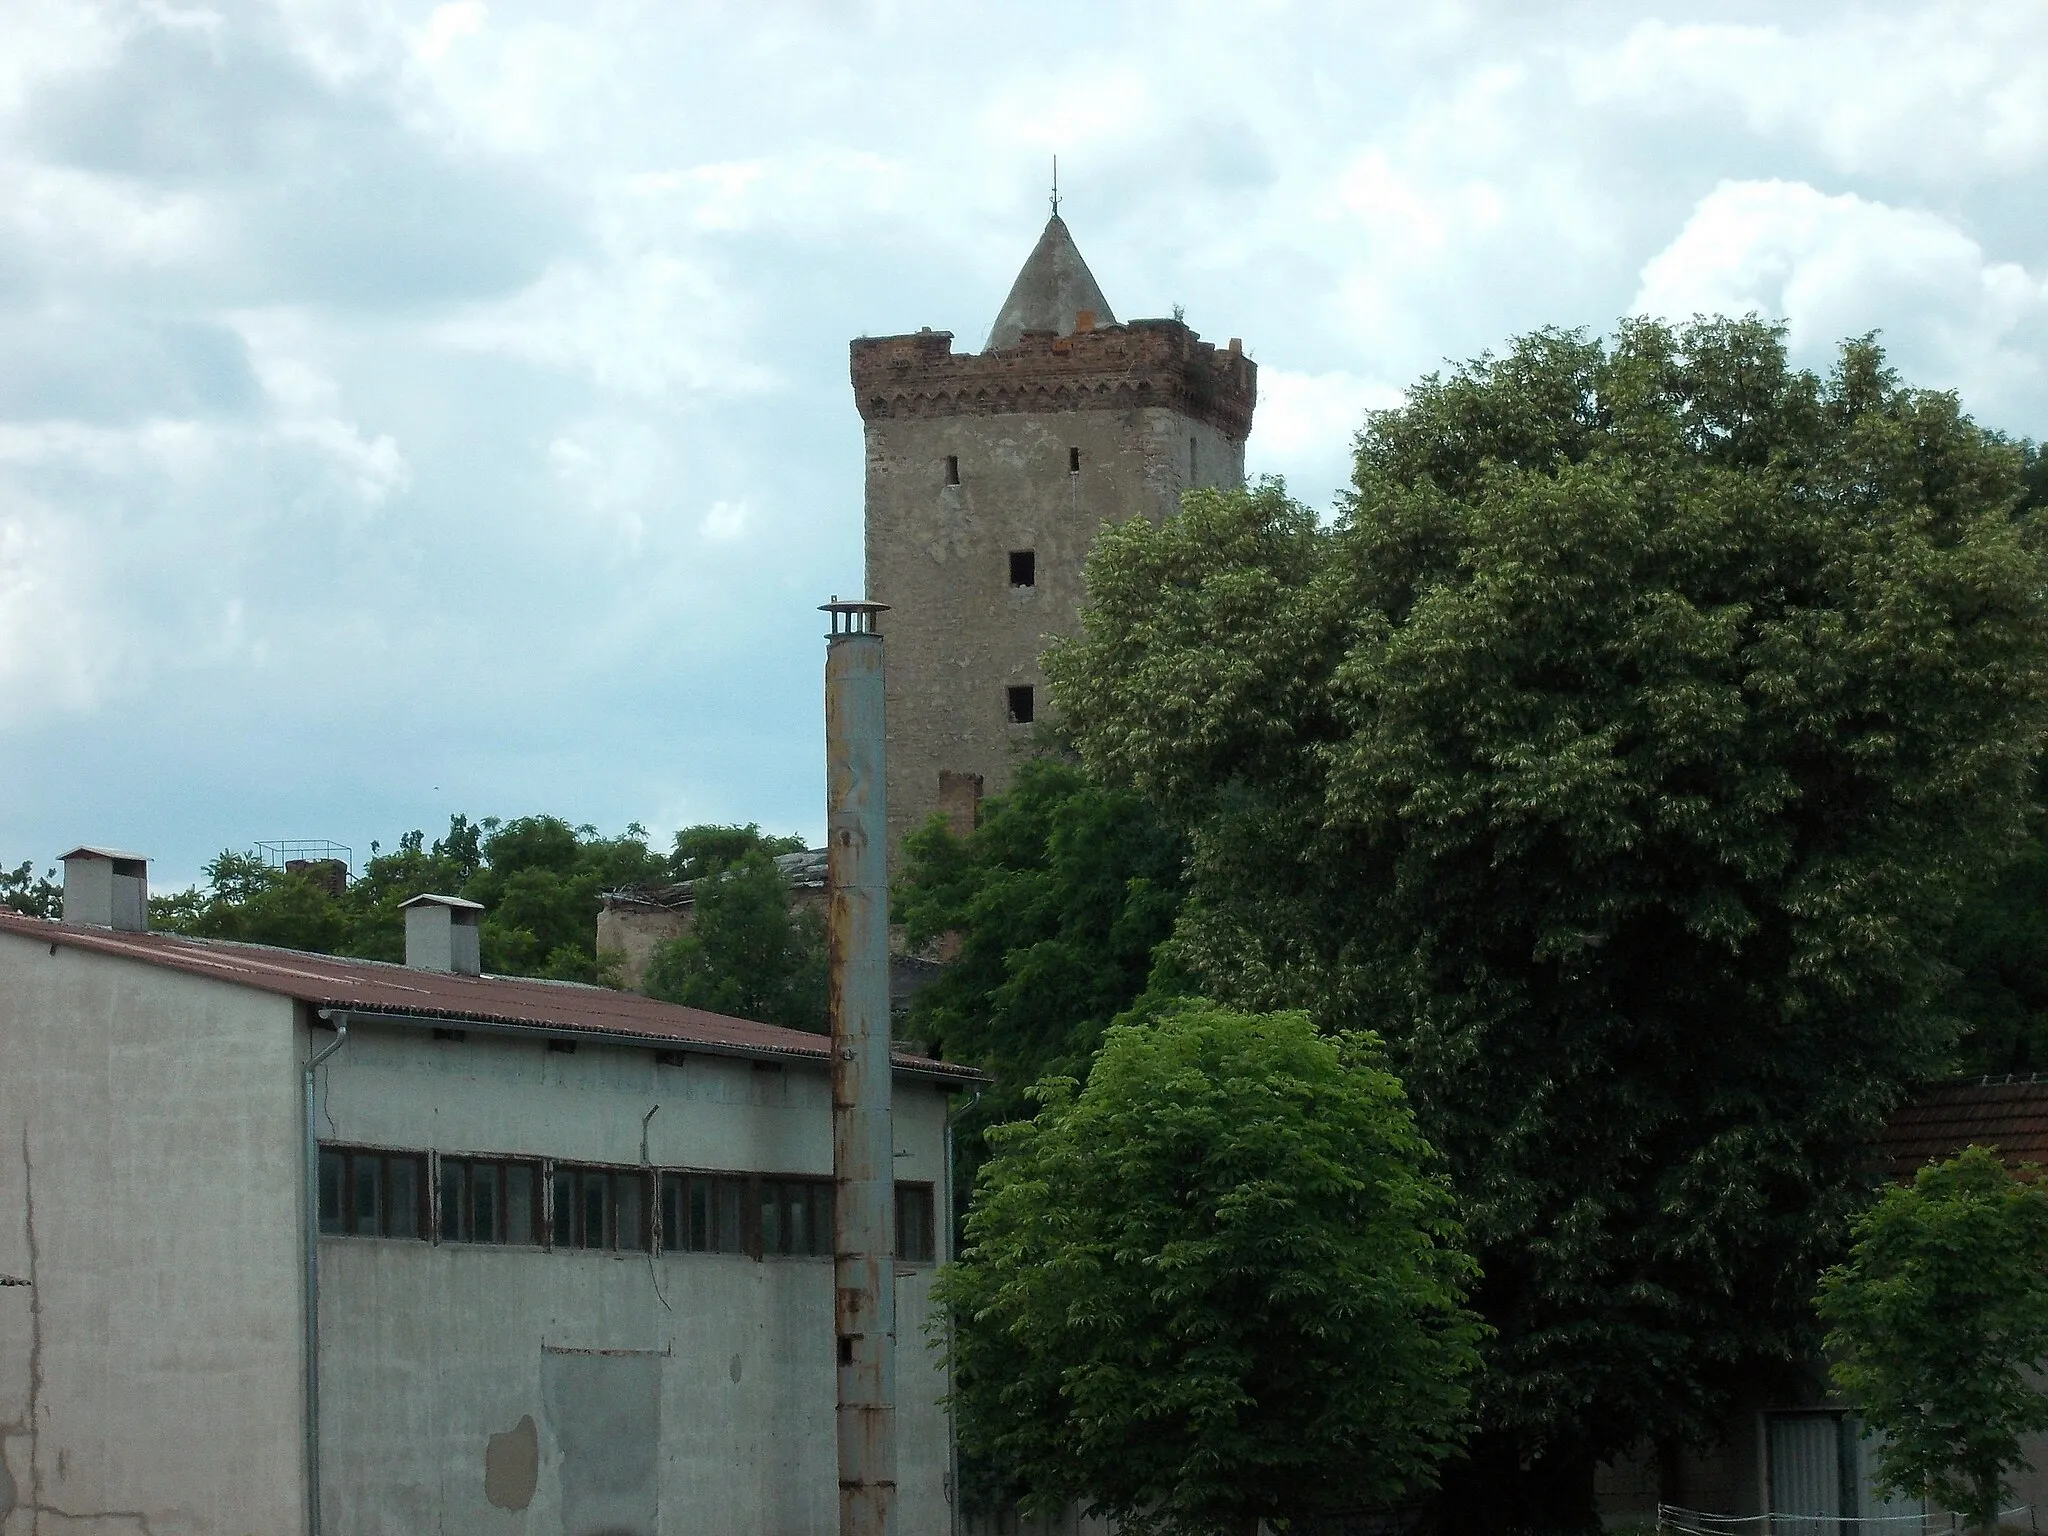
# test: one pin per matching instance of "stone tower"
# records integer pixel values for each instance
(988, 475)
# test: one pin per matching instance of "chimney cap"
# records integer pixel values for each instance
(92, 851)
(457, 903)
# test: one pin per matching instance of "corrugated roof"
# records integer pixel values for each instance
(373, 986)
(2009, 1115)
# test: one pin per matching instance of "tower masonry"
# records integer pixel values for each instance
(988, 475)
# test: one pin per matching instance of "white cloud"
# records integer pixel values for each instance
(1841, 265)
(726, 521)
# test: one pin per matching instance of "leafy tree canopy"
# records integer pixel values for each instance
(23, 890)
(1620, 750)
(539, 878)
(705, 850)
(1053, 907)
(1221, 1283)
(750, 950)
(1939, 1329)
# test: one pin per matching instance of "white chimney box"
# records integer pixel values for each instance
(106, 888)
(441, 934)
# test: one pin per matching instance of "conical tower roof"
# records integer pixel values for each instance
(1054, 287)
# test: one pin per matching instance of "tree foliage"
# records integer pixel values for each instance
(750, 950)
(1053, 906)
(1939, 1329)
(23, 890)
(1219, 1283)
(1621, 750)
(539, 878)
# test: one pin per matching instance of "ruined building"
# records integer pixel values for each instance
(988, 475)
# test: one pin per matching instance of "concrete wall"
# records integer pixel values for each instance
(959, 634)
(590, 1392)
(149, 1157)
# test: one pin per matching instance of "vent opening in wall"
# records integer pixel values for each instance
(1023, 568)
(1193, 473)
(1073, 461)
(952, 469)
(1020, 705)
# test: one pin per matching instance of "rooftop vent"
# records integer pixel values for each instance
(106, 888)
(441, 935)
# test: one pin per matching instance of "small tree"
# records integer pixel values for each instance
(749, 951)
(1219, 1284)
(1938, 1323)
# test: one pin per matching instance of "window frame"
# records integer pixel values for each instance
(350, 1157)
(446, 1231)
(925, 1199)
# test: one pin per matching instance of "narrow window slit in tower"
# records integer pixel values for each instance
(1192, 473)
(1073, 461)
(952, 469)
(1023, 568)
(1020, 704)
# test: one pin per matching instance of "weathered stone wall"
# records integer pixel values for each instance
(971, 458)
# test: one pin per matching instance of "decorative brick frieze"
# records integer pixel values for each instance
(1158, 363)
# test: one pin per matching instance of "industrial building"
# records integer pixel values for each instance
(423, 1249)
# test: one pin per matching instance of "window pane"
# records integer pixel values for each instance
(402, 1209)
(564, 1235)
(796, 1220)
(486, 1210)
(771, 1217)
(333, 1179)
(629, 1199)
(673, 1233)
(595, 1226)
(369, 1181)
(700, 1215)
(520, 1224)
(821, 1218)
(914, 1223)
(454, 1208)
(729, 1234)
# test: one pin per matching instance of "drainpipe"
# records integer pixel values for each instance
(863, 1145)
(312, 1298)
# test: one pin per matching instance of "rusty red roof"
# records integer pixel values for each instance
(378, 987)
(2009, 1115)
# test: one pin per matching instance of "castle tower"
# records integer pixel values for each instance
(988, 475)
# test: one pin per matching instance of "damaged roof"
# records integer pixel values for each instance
(1053, 288)
(378, 987)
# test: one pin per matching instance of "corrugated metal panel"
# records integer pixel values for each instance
(1805, 1473)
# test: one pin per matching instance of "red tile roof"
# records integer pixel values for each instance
(374, 986)
(2009, 1115)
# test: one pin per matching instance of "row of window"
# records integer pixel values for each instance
(1073, 463)
(526, 1203)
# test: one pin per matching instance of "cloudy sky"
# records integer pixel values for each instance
(407, 409)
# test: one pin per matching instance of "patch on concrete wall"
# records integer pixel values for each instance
(512, 1465)
(604, 1412)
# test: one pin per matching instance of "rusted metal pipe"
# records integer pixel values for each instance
(863, 1141)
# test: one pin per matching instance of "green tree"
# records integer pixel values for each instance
(750, 951)
(1053, 905)
(1620, 750)
(23, 890)
(1218, 1284)
(1938, 1324)
(706, 849)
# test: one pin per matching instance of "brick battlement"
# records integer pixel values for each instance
(1118, 368)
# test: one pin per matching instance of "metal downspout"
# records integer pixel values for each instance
(863, 1144)
(312, 1297)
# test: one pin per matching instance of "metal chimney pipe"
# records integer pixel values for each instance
(863, 1141)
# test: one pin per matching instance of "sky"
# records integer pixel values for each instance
(419, 409)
